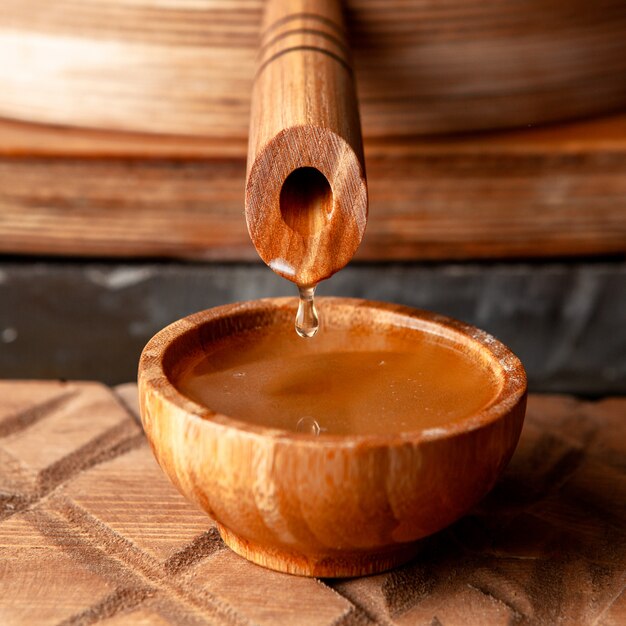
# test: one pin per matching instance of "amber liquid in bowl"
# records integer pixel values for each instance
(341, 382)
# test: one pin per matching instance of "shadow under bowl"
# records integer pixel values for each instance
(333, 505)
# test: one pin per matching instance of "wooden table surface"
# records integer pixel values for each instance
(92, 532)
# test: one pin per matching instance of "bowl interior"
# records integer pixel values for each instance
(373, 370)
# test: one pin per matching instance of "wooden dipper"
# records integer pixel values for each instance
(306, 195)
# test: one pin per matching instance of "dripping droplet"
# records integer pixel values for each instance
(307, 322)
(308, 425)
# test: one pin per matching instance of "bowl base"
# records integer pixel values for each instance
(324, 565)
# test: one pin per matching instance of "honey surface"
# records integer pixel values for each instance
(340, 382)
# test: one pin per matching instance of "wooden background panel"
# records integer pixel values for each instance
(187, 67)
(112, 542)
(557, 191)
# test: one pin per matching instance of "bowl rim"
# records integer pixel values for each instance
(513, 382)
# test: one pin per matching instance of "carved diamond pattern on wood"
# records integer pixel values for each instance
(92, 531)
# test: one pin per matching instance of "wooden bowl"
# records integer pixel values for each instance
(333, 505)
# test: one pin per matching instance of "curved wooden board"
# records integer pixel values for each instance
(187, 67)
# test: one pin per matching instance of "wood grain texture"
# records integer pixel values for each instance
(554, 191)
(306, 196)
(460, 65)
(546, 546)
(337, 505)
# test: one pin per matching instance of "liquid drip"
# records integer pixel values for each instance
(307, 322)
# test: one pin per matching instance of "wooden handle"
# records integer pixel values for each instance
(306, 195)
